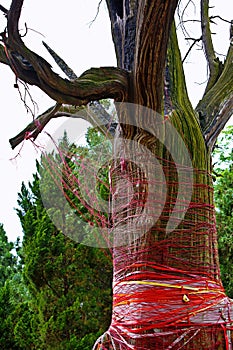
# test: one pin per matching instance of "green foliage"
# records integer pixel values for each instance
(14, 300)
(6, 326)
(223, 172)
(8, 260)
(69, 284)
(55, 293)
(12, 291)
(223, 152)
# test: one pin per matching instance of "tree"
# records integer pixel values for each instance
(167, 288)
(12, 291)
(7, 259)
(224, 206)
(16, 316)
(59, 296)
(69, 284)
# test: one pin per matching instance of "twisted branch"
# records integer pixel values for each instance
(94, 84)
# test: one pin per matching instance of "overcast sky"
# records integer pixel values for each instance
(65, 27)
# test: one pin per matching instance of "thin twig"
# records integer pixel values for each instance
(24, 98)
(187, 21)
(98, 10)
(222, 19)
(181, 16)
(26, 31)
(191, 46)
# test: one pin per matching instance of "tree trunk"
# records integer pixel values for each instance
(167, 292)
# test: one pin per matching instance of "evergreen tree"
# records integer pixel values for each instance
(7, 259)
(69, 283)
(223, 171)
(13, 294)
(15, 315)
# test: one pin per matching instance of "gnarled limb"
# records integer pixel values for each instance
(214, 64)
(216, 106)
(95, 106)
(33, 129)
(93, 113)
(94, 84)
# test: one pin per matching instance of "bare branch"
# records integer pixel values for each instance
(215, 108)
(98, 10)
(94, 106)
(181, 14)
(206, 32)
(188, 21)
(3, 9)
(214, 64)
(61, 63)
(191, 46)
(219, 17)
(94, 113)
(94, 84)
(33, 129)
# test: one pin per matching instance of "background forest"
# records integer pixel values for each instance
(55, 293)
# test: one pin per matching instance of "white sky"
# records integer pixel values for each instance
(65, 27)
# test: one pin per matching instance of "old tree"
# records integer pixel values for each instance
(167, 291)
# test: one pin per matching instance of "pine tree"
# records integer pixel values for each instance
(7, 259)
(13, 294)
(223, 172)
(69, 283)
